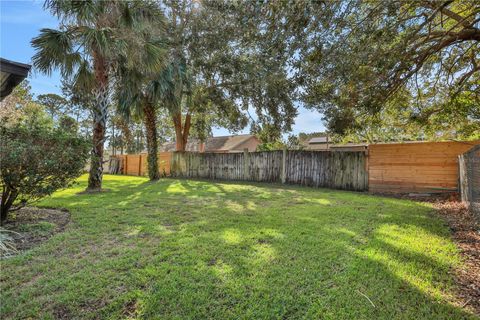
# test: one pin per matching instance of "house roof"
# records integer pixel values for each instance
(11, 74)
(348, 145)
(213, 144)
(318, 140)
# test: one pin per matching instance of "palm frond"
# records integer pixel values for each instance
(99, 40)
(147, 12)
(159, 84)
(126, 14)
(83, 11)
(84, 79)
(129, 91)
(155, 56)
(54, 50)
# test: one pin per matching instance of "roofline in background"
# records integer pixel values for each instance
(234, 135)
(471, 142)
(366, 144)
(236, 145)
(349, 145)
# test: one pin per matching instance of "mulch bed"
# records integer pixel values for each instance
(30, 216)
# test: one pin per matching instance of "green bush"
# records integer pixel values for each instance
(35, 162)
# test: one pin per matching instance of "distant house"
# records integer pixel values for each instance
(318, 143)
(225, 144)
(323, 143)
(11, 74)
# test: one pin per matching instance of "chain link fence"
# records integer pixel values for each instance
(469, 165)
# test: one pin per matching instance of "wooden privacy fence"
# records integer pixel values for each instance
(470, 179)
(385, 168)
(337, 170)
(136, 164)
(415, 166)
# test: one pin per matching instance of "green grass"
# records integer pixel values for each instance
(181, 249)
(41, 228)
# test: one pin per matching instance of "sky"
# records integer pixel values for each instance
(20, 21)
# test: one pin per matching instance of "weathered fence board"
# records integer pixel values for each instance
(339, 170)
(469, 171)
(389, 167)
(136, 164)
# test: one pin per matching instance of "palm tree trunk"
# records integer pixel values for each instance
(98, 138)
(114, 150)
(152, 144)
(100, 113)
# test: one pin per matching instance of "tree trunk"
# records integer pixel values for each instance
(100, 113)
(186, 129)
(8, 197)
(182, 131)
(114, 150)
(177, 123)
(127, 137)
(150, 121)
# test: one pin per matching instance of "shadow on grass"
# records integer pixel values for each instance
(197, 249)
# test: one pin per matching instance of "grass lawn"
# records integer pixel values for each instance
(181, 249)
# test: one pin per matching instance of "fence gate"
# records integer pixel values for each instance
(469, 166)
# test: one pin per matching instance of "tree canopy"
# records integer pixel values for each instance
(377, 71)
(419, 58)
(222, 70)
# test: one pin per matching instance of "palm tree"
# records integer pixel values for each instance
(141, 102)
(94, 37)
(139, 95)
(139, 88)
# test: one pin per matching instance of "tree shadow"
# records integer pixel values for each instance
(199, 249)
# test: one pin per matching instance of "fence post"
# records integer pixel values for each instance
(125, 168)
(462, 177)
(284, 165)
(140, 165)
(367, 170)
(245, 164)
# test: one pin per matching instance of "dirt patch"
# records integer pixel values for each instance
(422, 197)
(130, 309)
(32, 226)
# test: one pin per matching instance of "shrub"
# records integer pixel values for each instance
(35, 162)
